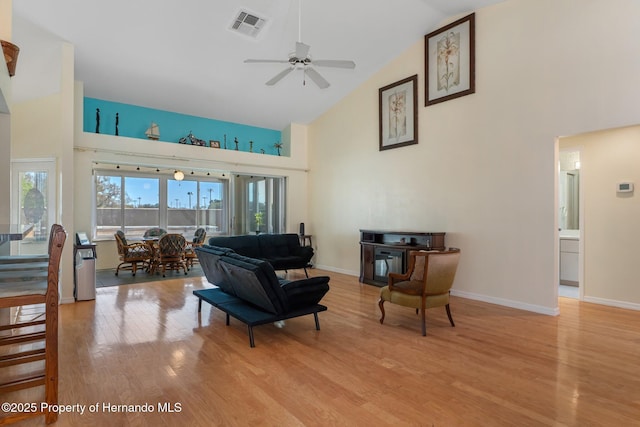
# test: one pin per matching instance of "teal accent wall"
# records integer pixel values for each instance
(134, 121)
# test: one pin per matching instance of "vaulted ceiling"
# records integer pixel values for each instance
(183, 57)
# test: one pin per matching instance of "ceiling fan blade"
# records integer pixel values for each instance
(317, 78)
(334, 63)
(265, 61)
(302, 50)
(279, 76)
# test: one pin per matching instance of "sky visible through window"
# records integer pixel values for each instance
(144, 192)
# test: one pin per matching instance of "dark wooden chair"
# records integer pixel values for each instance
(154, 232)
(426, 284)
(171, 249)
(132, 254)
(28, 286)
(190, 251)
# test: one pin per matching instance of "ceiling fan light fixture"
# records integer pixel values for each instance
(301, 60)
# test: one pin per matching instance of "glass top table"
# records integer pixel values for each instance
(14, 232)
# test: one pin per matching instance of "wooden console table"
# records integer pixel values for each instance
(382, 252)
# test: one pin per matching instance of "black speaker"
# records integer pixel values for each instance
(302, 228)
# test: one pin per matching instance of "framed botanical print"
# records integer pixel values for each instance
(398, 110)
(450, 61)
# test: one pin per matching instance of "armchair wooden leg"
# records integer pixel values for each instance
(381, 305)
(449, 314)
(424, 322)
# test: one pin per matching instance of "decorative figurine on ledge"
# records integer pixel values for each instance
(197, 141)
(191, 139)
(278, 146)
(97, 120)
(235, 140)
(225, 141)
(117, 122)
(251, 146)
(153, 132)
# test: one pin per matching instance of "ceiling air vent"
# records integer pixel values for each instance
(248, 24)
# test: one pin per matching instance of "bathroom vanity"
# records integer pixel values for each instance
(569, 254)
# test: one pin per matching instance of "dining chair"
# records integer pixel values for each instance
(22, 286)
(154, 232)
(132, 254)
(171, 249)
(190, 251)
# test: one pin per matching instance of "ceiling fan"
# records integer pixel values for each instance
(300, 59)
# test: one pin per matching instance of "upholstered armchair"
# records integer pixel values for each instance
(171, 249)
(190, 251)
(131, 254)
(426, 284)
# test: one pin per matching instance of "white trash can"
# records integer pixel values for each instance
(85, 275)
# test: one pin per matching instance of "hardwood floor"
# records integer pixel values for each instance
(146, 344)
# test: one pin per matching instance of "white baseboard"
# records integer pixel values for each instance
(507, 303)
(479, 297)
(337, 270)
(612, 303)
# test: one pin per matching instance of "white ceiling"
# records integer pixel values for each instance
(180, 56)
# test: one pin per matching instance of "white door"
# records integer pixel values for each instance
(33, 202)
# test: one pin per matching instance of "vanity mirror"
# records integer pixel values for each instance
(568, 190)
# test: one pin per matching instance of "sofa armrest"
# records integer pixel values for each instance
(305, 252)
(306, 292)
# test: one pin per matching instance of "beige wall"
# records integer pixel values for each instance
(484, 170)
(6, 21)
(610, 227)
(5, 120)
(43, 128)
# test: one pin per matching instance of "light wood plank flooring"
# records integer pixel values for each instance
(146, 344)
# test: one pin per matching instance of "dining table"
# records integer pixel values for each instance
(11, 232)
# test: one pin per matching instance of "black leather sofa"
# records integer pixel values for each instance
(282, 251)
(249, 290)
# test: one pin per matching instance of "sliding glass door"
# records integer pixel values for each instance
(259, 204)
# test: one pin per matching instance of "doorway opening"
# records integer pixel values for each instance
(569, 220)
